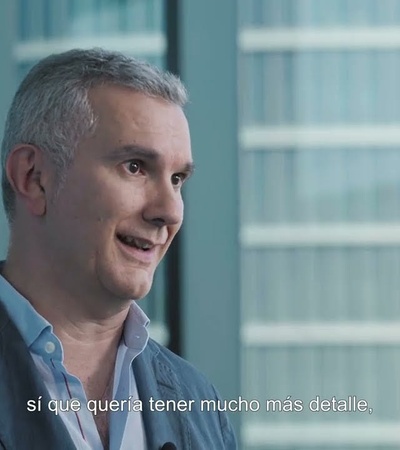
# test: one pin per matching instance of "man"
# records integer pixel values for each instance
(95, 152)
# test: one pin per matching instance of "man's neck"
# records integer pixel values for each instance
(78, 317)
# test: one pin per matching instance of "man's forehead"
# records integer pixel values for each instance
(127, 120)
(115, 96)
(116, 106)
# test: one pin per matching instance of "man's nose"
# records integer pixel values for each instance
(164, 205)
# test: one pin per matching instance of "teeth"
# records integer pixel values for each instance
(145, 246)
(136, 242)
(129, 240)
(141, 244)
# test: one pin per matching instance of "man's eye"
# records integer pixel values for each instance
(178, 179)
(134, 166)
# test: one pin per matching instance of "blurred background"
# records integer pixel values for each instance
(285, 279)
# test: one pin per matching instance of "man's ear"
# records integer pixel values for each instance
(27, 173)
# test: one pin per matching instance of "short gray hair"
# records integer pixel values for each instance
(51, 108)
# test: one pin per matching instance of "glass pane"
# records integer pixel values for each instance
(320, 218)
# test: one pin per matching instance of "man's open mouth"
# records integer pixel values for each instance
(131, 241)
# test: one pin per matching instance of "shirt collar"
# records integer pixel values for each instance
(28, 321)
(136, 335)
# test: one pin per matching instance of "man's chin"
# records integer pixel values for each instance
(125, 284)
(133, 289)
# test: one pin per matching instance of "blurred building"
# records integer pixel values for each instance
(289, 261)
(320, 233)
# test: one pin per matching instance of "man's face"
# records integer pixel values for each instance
(121, 205)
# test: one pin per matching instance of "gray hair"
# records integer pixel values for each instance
(51, 108)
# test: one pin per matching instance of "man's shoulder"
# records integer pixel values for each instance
(184, 371)
(170, 358)
(207, 422)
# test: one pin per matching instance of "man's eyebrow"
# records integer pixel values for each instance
(135, 151)
(189, 169)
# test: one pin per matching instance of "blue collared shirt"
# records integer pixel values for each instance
(125, 425)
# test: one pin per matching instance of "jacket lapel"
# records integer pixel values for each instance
(20, 382)
(157, 381)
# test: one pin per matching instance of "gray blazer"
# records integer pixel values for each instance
(159, 374)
